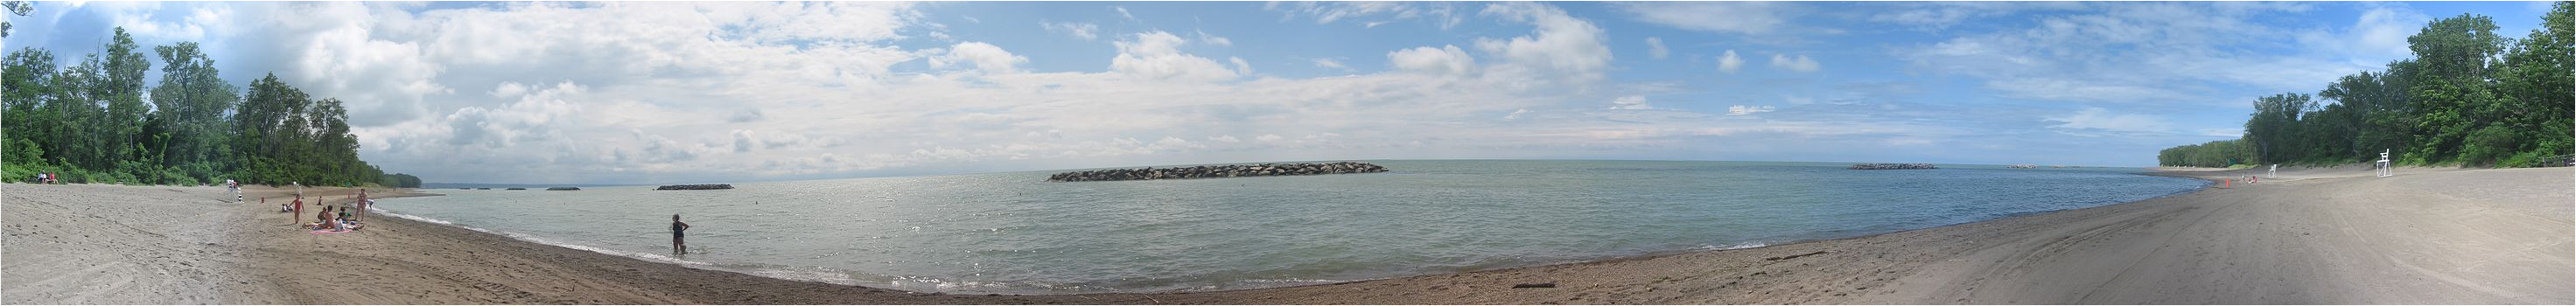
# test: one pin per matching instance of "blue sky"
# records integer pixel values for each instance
(740, 91)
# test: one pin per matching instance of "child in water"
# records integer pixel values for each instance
(679, 232)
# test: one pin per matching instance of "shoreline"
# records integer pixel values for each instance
(2058, 257)
(661, 259)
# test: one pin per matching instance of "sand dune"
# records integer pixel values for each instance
(2310, 236)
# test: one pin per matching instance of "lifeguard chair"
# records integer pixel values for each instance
(2383, 164)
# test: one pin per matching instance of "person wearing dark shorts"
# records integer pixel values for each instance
(679, 233)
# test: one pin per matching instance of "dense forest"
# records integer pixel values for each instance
(2469, 97)
(98, 122)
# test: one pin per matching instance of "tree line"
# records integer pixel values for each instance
(95, 122)
(2470, 97)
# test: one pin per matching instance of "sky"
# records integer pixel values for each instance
(669, 92)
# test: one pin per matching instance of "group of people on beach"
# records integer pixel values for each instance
(331, 217)
(48, 178)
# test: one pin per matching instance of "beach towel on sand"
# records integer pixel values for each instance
(330, 232)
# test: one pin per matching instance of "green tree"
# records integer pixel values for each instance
(192, 102)
(20, 8)
(2470, 97)
(2274, 126)
(90, 122)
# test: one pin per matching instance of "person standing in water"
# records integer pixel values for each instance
(679, 230)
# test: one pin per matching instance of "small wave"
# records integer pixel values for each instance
(542, 240)
(810, 275)
(381, 211)
(1738, 246)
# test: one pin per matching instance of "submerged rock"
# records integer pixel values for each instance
(1192, 172)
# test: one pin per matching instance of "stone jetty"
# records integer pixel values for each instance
(1892, 166)
(695, 187)
(1217, 171)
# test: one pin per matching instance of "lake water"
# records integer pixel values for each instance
(1016, 233)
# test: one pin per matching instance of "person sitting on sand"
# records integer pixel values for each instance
(679, 230)
(348, 221)
(323, 218)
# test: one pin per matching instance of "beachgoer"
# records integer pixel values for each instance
(236, 188)
(299, 204)
(679, 235)
(323, 218)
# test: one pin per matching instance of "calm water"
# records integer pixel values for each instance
(1015, 233)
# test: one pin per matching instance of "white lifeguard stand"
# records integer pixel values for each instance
(2383, 164)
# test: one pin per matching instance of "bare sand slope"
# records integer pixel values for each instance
(2425, 237)
(102, 244)
(2433, 236)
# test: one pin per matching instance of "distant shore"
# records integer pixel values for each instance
(2305, 236)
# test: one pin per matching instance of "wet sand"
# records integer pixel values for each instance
(2308, 236)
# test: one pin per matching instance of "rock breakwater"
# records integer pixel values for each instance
(695, 187)
(1217, 171)
(1892, 166)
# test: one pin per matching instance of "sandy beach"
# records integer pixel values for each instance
(2307, 236)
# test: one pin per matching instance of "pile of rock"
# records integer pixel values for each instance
(1216, 171)
(695, 187)
(1892, 166)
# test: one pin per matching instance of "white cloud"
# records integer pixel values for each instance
(1562, 43)
(509, 90)
(1798, 63)
(1330, 63)
(1727, 17)
(2160, 52)
(1942, 15)
(1122, 12)
(1655, 47)
(1729, 62)
(1630, 102)
(987, 57)
(1740, 110)
(2070, 90)
(654, 92)
(1156, 55)
(1214, 40)
(1443, 14)
(1446, 59)
(2096, 118)
(1082, 30)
